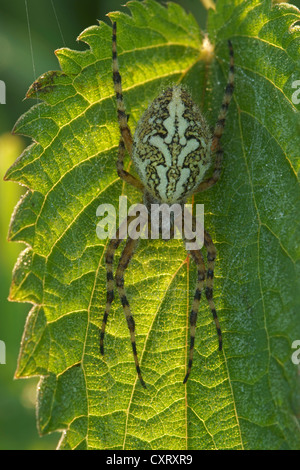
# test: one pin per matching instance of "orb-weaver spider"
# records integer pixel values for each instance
(172, 150)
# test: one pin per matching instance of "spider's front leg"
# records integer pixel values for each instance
(119, 278)
(198, 258)
(109, 258)
(202, 274)
(211, 256)
(123, 263)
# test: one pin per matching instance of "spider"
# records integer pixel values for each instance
(172, 149)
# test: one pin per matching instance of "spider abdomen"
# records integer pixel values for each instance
(172, 146)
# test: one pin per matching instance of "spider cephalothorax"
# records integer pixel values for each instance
(172, 149)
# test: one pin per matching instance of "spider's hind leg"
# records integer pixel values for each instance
(123, 174)
(219, 127)
(126, 137)
(122, 116)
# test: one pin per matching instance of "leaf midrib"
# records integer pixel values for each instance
(145, 344)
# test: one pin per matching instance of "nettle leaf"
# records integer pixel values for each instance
(243, 397)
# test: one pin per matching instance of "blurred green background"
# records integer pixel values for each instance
(30, 30)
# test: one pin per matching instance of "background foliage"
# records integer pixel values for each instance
(17, 71)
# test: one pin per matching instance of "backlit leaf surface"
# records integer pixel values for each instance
(245, 397)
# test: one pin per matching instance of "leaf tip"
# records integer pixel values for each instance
(207, 52)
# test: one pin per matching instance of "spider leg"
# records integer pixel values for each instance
(109, 258)
(127, 177)
(122, 116)
(211, 256)
(219, 127)
(126, 137)
(123, 263)
(198, 258)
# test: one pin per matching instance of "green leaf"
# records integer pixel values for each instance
(243, 397)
